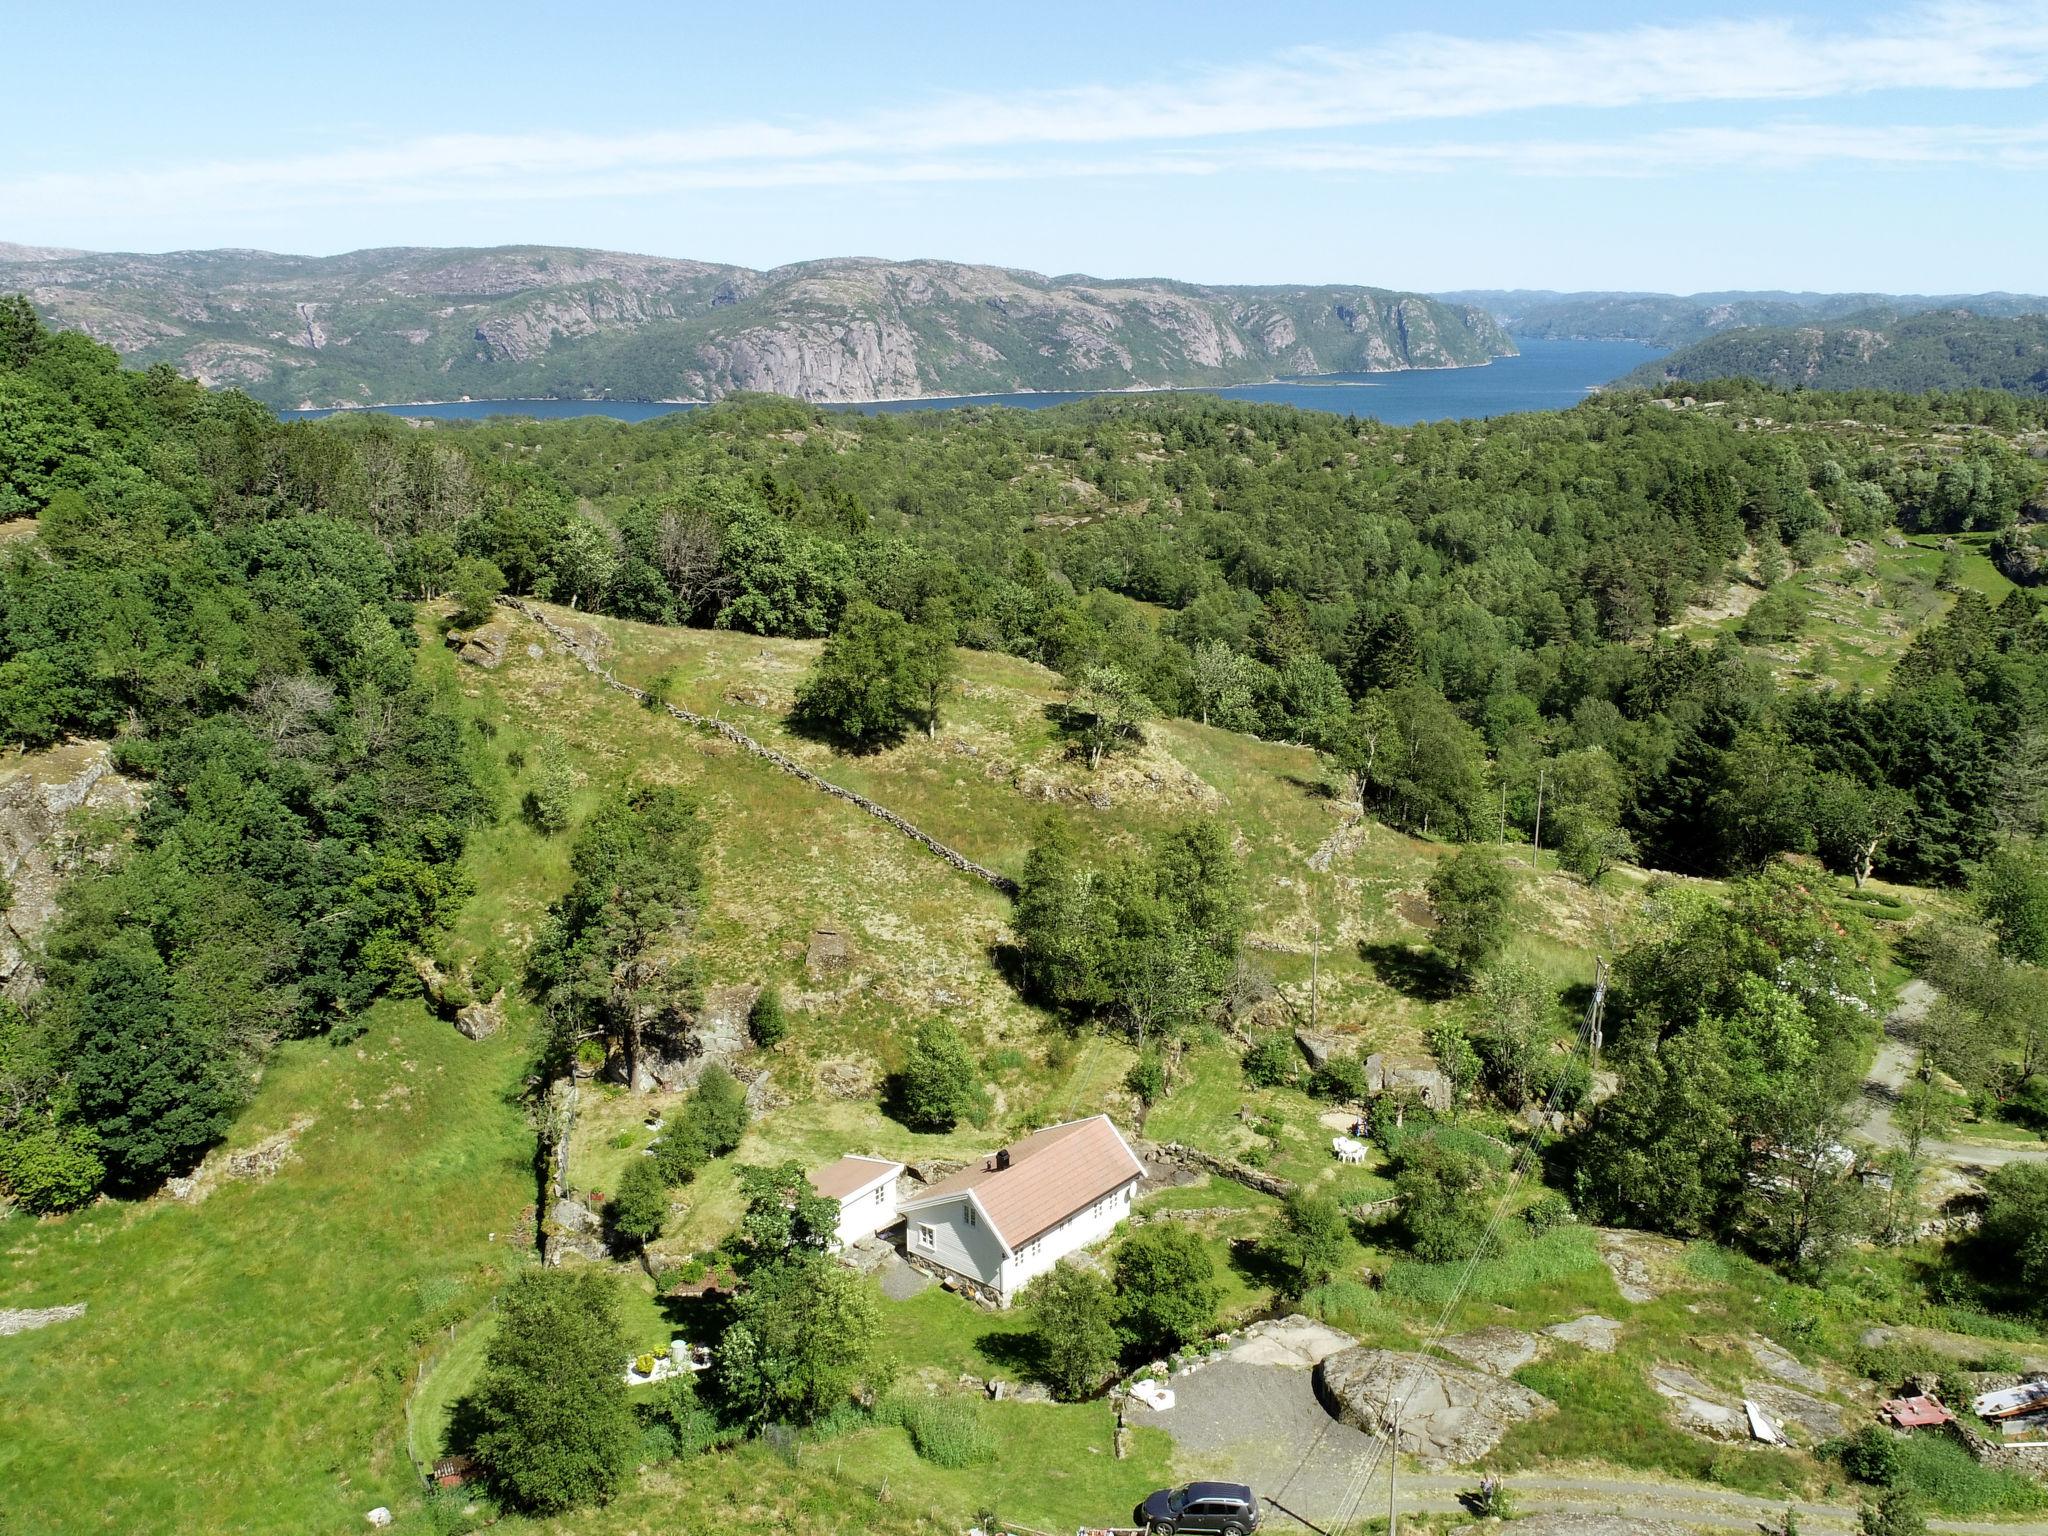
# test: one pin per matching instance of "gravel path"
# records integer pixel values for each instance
(1887, 1079)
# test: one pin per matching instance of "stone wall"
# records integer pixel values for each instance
(586, 654)
(1223, 1167)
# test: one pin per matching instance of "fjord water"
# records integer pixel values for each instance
(1547, 376)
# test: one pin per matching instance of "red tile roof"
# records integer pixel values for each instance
(851, 1174)
(1052, 1174)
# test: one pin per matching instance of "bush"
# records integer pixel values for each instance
(1272, 1061)
(1073, 1321)
(1166, 1282)
(491, 972)
(1342, 1078)
(1309, 1243)
(1549, 1211)
(1873, 1455)
(766, 1021)
(1564, 1083)
(1147, 1078)
(52, 1168)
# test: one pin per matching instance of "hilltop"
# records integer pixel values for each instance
(1679, 320)
(1873, 349)
(543, 321)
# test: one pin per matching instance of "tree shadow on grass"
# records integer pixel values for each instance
(825, 734)
(1018, 1352)
(1256, 1264)
(1410, 971)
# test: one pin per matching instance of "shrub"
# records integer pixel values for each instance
(52, 1168)
(553, 1426)
(1564, 1083)
(1872, 1455)
(1147, 1078)
(1309, 1242)
(1272, 1061)
(718, 1106)
(1548, 1211)
(766, 1021)
(1167, 1285)
(1342, 1078)
(491, 972)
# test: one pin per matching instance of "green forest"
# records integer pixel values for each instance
(1879, 348)
(1478, 621)
(1567, 639)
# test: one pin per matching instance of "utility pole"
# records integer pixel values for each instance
(1596, 1013)
(1536, 851)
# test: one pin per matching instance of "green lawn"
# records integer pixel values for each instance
(244, 1361)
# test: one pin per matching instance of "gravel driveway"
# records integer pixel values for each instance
(1256, 1424)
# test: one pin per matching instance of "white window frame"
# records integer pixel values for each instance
(927, 1235)
(881, 1194)
(969, 1209)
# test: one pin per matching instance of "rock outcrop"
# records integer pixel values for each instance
(39, 794)
(540, 321)
(1444, 1415)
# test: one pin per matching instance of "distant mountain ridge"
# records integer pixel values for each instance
(1873, 349)
(1678, 320)
(432, 324)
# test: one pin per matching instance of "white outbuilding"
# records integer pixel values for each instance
(865, 1188)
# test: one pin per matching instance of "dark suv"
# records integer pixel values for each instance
(1228, 1508)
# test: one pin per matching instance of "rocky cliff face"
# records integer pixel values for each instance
(405, 324)
(39, 797)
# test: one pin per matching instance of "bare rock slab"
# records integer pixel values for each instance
(1500, 1350)
(1697, 1407)
(15, 1320)
(1637, 1260)
(1592, 1331)
(1447, 1416)
(1796, 1410)
(1296, 1342)
(1783, 1365)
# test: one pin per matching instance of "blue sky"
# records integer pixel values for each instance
(1565, 145)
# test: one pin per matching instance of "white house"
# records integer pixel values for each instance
(1000, 1223)
(865, 1188)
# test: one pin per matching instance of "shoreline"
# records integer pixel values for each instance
(1305, 381)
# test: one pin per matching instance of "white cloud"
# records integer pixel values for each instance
(1203, 123)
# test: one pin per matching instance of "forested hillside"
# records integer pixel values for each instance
(526, 321)
(1679, 320)
(1507, 596)
(1873, 349)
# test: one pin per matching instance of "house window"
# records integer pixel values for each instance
(927, 1237)
(1031, 1249)
(969, 1208)
(882, 1195)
